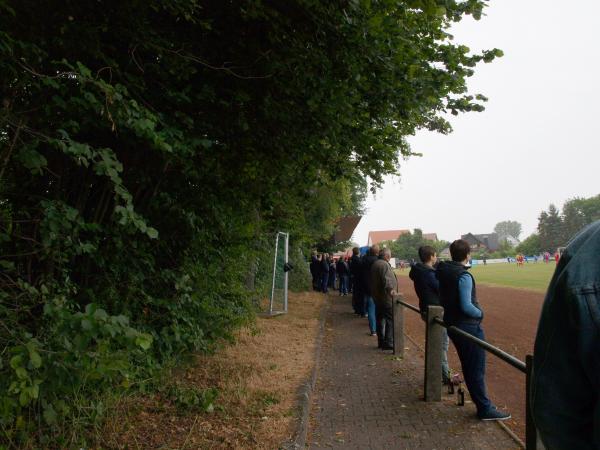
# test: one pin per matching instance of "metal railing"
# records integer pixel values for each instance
(433, 358)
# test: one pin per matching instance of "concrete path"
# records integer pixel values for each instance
(366, 398)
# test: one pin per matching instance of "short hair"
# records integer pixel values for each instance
(459, 250)
(426, 252)
(355, 251)
(374, 250)
(386, 252)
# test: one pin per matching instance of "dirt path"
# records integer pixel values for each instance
(511, 317)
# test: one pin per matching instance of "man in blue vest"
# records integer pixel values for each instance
(458, 296)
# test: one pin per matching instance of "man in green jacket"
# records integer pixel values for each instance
(383, 289)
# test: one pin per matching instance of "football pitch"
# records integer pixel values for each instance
(531, 276)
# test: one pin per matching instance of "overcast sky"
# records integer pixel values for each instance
(536, 143)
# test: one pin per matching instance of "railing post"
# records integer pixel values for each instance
(398, 325)
(531, 439)
(433, 355)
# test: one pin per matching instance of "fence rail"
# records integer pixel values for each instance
(433, 349)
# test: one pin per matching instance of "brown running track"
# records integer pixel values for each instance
(510, 322)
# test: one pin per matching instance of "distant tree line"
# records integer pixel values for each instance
(556, 229)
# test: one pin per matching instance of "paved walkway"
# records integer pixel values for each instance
(366, 398)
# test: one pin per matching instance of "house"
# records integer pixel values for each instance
(376, 237)
(430, 236)
(480, 242)
(444, 254)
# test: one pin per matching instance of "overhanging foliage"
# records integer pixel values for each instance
(147, 147)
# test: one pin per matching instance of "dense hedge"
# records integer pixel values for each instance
(148, 147)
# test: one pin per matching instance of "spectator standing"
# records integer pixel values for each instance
(357, 290)
(314, 270)
(427, 289)
(332, 273)
(342, 272)
(383, 288)
(458, 296)
(324, 273)
(368, 303)
(566, 361)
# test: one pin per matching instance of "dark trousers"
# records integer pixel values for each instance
(357, 301)
(324, 281)
(472, 362)
(315, 282)
(385, 325)
(343, 284)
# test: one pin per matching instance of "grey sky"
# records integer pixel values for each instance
(536, 143)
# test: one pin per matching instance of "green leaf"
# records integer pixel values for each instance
(152, 233)
(32, 160)
(24, 398)
(16, 361)
(100, 314)
(7, 265)
(21, 373)
(35, 359)
(144, 341)
(50, 415)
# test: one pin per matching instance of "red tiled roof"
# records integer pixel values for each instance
(430, 236)
(375, 237)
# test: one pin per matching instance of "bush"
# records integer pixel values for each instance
(300, 278)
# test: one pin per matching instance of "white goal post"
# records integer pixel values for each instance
(278, 303)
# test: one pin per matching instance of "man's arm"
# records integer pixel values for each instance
(432, 282)
(465, 286)
(390, 281)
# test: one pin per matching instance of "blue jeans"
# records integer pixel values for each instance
(385, 325)
(371, 312)
(445, 366)
(445, 344)
(472, 362)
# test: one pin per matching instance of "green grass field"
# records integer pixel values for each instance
(531, 276)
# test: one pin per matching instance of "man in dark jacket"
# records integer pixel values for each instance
(342, 273)
(355, 273)
(383, 285)
(332, 273)
(368, 303)
(458, 296)
(324, 273)
(427, 289)
(566, 364)
(314, 270)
